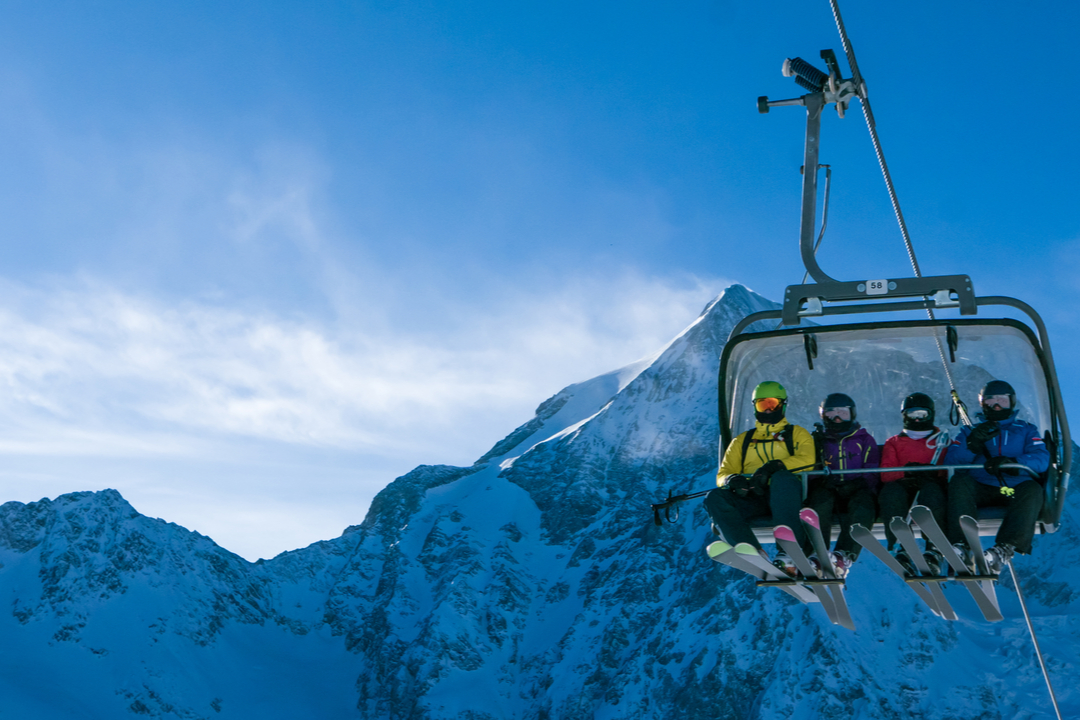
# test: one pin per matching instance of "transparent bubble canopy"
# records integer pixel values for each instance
(879, 365)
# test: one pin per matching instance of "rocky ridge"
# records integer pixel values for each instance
(530, 585)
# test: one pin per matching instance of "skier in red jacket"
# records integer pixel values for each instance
(916, 446)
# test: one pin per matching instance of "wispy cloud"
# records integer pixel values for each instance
(90, 369)
(230, 325)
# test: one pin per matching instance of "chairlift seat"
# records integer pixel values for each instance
(990, 518)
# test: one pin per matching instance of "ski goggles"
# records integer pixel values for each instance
(917, 413)
(1002, 401)
(767, 404)
(843, 414)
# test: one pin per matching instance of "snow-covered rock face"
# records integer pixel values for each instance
(530, 585)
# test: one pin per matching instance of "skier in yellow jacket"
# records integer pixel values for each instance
(757, 475)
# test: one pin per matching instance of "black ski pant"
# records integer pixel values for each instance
(897, 497)
(854, 498)
(967, 495)
(782, 500)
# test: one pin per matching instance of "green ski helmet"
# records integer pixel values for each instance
(769, 389)
(769, 400)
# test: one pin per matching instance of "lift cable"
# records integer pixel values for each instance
(860, 84)
(868, 113)
(1034, 641)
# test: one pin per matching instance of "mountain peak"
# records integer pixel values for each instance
(735, 295)
(578, 403)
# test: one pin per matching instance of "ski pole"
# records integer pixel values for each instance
(673, 500)
(940, 443)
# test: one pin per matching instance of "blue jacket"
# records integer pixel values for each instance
(1018, 439)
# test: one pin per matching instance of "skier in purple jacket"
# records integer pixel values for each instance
(845, 445)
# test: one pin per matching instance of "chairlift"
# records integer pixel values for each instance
(878, 363)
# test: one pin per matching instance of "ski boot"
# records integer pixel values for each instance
(842, 560)
(966, 556)
(934, 560)
(906, 562)
(785, 563)
(997, 557)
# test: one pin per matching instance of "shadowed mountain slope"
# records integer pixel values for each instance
(530, 585)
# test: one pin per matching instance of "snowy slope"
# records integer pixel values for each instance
(530, 585)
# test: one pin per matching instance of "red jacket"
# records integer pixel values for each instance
(900, 450)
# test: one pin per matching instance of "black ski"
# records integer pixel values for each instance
(906, 536)
(982, 592)
(745, 557)
(812, 526)
(866, 538)
(970, 526)
(785, 539)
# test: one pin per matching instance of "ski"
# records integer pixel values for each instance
(785, 539)
(906, 536)
(866, 538)
(751, 563)
(812, 525)
(983, 593)
(970, 526)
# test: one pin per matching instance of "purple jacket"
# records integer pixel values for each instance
(857, 449)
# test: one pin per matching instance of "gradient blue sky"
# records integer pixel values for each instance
(257, 259)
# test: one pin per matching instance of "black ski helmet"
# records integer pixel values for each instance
(997, 387)
(918, 401)
(837, 400)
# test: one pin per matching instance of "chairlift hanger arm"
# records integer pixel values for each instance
(828, 88)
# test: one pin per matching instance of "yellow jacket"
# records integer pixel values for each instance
(768, 444)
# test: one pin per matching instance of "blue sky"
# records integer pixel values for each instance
(257, 259)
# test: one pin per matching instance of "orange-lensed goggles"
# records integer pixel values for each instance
(767, 404)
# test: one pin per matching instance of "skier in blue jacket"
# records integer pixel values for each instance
(1001, 439)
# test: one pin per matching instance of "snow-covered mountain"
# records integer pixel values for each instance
(530, 585)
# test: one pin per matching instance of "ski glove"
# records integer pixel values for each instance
(912, 483)
(980, 434)
(993, 465)
(766, 471)
(738, 484)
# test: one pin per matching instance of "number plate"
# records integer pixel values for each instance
(877, 287)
